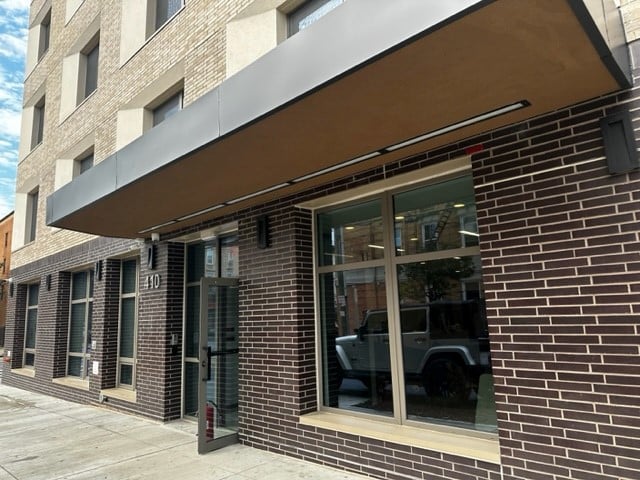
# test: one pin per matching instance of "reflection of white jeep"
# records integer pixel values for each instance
(444, 344)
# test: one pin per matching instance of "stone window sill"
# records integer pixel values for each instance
(72, 382)
(25, 372)
(119, 394)
(472, 444)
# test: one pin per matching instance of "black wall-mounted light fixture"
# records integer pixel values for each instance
(262, 231)
(619, 143)
(97, 269)
(11, 288)
(151, 257)
(48, 281)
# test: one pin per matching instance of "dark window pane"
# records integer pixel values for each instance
(86, 163)
(75, 366)
(350, 234)
(191, 388)
(192, 320)
(165, 9)
(126, 374)
(91, 81)
(436, 217)
(89, 326)
(30, 328)
(33, 294)
(29, 359)
(167, 109)
(45, 33)
(355, 341)
(79, 286)
(76, 328)
(310, 12)
(127, 327)
(38, 124)
(32, 206)
(129, 276)
(446, 360)
(195, 262)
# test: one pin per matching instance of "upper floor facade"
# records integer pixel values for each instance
(101, 74)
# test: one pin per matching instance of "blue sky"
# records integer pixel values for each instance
(14, 16)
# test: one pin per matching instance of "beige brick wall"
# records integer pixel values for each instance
(196, 34)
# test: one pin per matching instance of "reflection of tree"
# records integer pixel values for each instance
(433, 280)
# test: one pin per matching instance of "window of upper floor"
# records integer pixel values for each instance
(308, 13)
(89, 59)
(31, 216)
(45, 34)
(151, 106)
(141, 20)
(37, 126)
(80, 69)
(84, 163)
(39, 36)
(263, 24)
(167, 108)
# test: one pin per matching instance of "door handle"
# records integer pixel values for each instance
(206, 363)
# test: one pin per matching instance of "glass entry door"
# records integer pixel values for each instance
(218, 367)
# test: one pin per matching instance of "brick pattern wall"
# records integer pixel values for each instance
(104, 331)
(561, 259)
(196, 35)
(158, 377)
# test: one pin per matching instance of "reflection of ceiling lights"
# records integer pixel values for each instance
(400, 250)
(349, 227)
(399, 217)
(380, 247)
(466, 232)
(458, 205)
(338, 255)
(414, 239)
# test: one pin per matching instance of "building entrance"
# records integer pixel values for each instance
(218, 367)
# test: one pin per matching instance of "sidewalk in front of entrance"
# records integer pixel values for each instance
(44, 438)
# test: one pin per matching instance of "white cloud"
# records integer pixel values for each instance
(13, 46)
(14, 20)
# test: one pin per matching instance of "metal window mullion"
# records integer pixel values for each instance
(393, 311)
(351, 266)
(438, 255)
(26, 350)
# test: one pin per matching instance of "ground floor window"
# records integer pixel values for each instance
(31, 320)
(402, 314)
(81, 311)
(128, 324)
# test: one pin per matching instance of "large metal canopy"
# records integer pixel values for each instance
(367, 76)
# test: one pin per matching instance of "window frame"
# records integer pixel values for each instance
(121, 296)
(305, 10)
(87, 88)
(37, 128)
(179, 95)
(159, 22)
(44, 36)
(28, 350)
(82, 161)
(390, 262)
(88, 314)
(31, 218)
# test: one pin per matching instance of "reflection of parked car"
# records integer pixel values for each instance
(445, 348)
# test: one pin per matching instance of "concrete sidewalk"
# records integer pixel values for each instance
(44, 438)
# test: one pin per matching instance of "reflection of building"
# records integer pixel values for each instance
(290, 137)
(6, 226)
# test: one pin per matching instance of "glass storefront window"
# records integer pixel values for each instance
(436, 314)
(435, 218)
(350, 234)
(354, 328)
